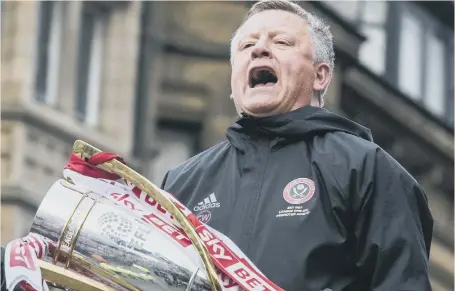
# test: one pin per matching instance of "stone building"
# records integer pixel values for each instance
(150, 81)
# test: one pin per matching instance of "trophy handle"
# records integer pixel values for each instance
(85, 150)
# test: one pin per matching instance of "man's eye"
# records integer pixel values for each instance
(247, 45)
(281, 42)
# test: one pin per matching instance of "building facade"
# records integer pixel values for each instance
(151, 81)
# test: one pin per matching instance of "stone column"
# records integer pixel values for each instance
(117, 104)
(18, 48)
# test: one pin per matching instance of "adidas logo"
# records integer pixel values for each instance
(207, 203)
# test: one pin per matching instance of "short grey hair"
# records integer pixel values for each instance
(321, 36)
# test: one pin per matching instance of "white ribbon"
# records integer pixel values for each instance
(21, 263)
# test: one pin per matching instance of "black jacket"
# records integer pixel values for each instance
(313, 202)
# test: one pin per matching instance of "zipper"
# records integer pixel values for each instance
(255, 200)
(245, 205)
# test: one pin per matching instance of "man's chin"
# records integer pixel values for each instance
(261, 110)
(261, 103)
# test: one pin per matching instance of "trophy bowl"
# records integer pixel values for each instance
(94, 244)
(103, 242)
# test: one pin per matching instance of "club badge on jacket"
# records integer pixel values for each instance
(296, 193)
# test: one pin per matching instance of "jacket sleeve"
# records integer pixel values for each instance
(393, 228)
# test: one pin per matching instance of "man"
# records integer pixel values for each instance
(306, 194)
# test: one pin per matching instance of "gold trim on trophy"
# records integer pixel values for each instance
(105, 273)
(65, 229)
(73, 280)
(74, 240)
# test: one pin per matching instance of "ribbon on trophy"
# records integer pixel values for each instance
(235, 271)
(21, 266)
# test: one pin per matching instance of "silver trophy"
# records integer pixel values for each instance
(94, 244)
(101, 241)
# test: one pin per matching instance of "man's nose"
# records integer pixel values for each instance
(260, 50)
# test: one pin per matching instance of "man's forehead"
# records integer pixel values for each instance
(273, 20)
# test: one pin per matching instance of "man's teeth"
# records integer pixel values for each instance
(269, 84)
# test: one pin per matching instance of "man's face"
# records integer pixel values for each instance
(272, 69)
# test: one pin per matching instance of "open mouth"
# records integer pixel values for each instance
(262, 77)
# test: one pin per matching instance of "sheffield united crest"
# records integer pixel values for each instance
(299, 191)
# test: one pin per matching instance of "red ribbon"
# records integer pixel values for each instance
(88, 167)
(26, 286)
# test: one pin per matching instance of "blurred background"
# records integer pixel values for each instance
(151, 81)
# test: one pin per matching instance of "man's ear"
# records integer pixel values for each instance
(232, 96)
(323, 75)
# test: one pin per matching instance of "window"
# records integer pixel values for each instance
(410, 57)
(50, 27)
(372, 52)
(435, 92)
(423, 67)
(90, 63)
(371, 22)
(407, 46)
